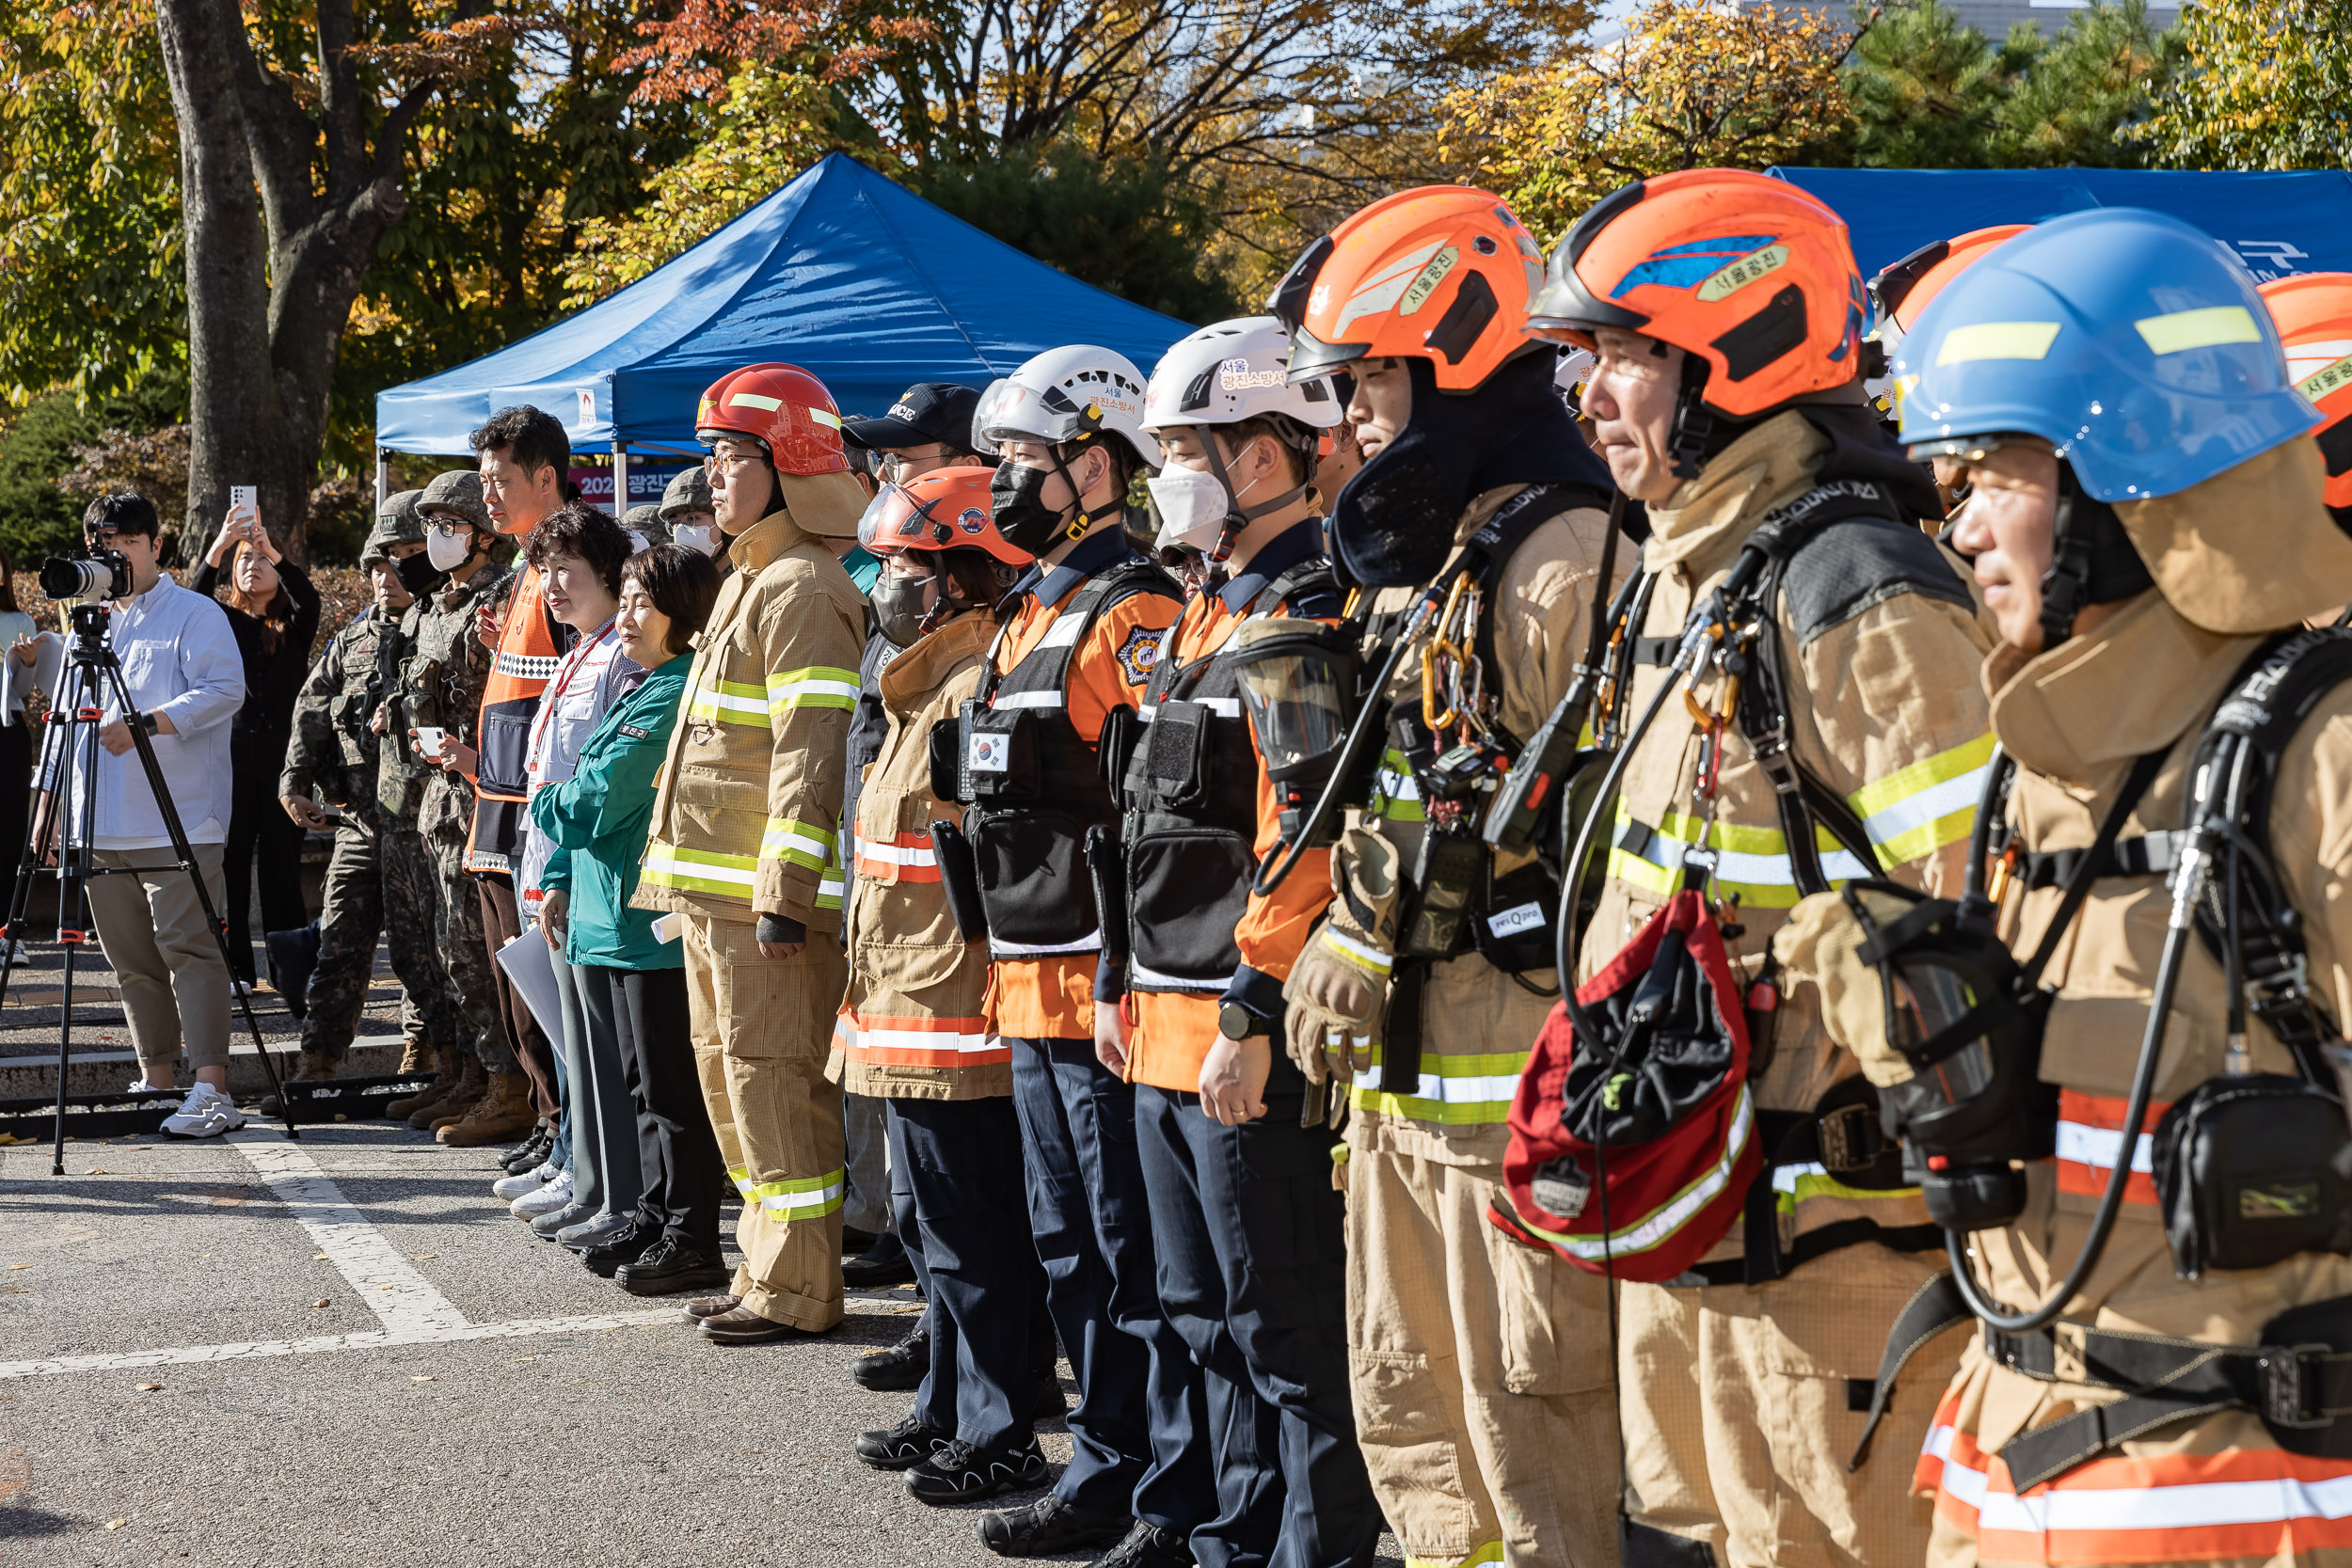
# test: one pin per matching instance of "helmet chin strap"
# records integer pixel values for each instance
(1694, 429)
(2066, 584)
(1082, 520)
(1237, 516)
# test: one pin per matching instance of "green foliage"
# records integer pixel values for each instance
(1930, 93)
(1130, 224)
(2259, 83)
(44, 442)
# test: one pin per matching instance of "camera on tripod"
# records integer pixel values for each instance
(88, 579)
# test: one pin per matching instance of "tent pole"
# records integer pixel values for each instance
(383, 476)
(620, 481)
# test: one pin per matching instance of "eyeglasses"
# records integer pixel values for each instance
(731, 458)
(897, 467)
(449, 528)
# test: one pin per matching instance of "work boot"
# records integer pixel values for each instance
(694, 1311)
(532, 1151)
(314, 1067)
(442, 1063)
(465, 1088)
(1148, 1545)
(964, 1473)
(1050, 1526)
(899, 1368)
(416, 1055)
(743, 1326)
(503, 1110)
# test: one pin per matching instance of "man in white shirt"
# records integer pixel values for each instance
(180, 666)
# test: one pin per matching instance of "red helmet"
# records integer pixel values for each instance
(785, 409)
(946, 509)
(2314, 310)
(1748, 273)
(1902, 289)
(1439, 273)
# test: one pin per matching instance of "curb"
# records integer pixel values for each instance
(111, 1072)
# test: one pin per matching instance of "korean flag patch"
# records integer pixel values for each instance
(1139, 653)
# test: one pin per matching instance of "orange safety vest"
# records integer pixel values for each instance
(528, 654)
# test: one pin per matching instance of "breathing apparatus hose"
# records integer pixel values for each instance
(1273, 875)
(2188, 887)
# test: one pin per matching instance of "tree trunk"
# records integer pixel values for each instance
(238, 432)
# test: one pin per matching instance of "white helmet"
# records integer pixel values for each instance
(980, 412)
(1232, 371)
(1065, 393)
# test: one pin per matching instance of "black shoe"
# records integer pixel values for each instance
(292, 955)
(902, 1446)
(627, 1247)
(1147, 1545)
(854, 1242)
(1051, 1405)
(885, 1263)
(959, 1473)
(532, 1152)
(900, 1369)
(1048, 1526)
(669, 1266)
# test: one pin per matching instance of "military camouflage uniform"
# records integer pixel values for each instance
(440, 682)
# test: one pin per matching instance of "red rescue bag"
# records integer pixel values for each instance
(1662, 1093)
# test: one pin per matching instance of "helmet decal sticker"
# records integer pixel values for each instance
(1681, 266)
(1417, 293)
(1747, 270)
(1383, 289)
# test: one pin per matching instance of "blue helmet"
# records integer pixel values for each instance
(2130, 341)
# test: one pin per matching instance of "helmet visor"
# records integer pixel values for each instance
(1297, 681)
(895, 521)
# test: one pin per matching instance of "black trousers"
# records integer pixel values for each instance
(1247, 1232)
(678, 1155)
(17, 741)
(956, 1181)
(263, 842)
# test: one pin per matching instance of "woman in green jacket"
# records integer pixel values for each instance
(597, 820)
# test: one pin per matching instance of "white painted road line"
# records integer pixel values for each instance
(402, 1299)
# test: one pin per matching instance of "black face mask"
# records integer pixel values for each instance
(900, 603)
(1392, 522)
(419, 574)
(1016, 502)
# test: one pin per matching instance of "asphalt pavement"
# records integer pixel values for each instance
(344, 1351)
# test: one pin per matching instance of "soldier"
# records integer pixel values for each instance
(335, 750)
(687, 513)
(440, 688)
(646, 522)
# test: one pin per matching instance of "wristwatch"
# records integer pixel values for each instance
(1237, 1022)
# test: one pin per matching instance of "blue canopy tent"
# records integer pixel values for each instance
(841, 272)
(2277, 223)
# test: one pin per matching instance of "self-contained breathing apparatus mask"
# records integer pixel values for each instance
(1302, 685)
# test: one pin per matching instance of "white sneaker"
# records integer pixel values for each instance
(142, 1086)
(207, 1112)
(513, 1187)
(556, 1195)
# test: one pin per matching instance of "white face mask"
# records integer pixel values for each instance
(696, 536)
(1193, 507)
(446, 552)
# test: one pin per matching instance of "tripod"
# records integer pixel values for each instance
(93, 675)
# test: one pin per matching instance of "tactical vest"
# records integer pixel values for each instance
(1190, 785)
(531, 645)
(1034, 785)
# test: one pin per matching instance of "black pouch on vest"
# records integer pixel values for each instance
(2250, 1171)
(1511, 927)
(1173, 760)
(945, 749)
(1447, 874)
(1107, 867)
(960, 878)
(999, 764)
(1115, 746)
(2320, 1425)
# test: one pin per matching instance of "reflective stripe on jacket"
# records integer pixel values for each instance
(911, 1026)
(747, 817)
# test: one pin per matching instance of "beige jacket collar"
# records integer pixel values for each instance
(767, 539)
(1704, 522)
(911, 676)
(2134, 684)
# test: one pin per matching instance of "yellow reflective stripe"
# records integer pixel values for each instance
(1917, 810)
(1395, 796)
(799, 844)
(727, 703)
(1489, 1553)
(818, 686)
(1795, 1184)
(2182, 330)
(800, 1198)
(698, 870)
(1347, 948)
(741, 1176)
(1965, 345)
(1456, 1091)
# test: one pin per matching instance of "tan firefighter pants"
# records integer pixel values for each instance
(1480, 1371)
(762, 1028)
(1740, 1413)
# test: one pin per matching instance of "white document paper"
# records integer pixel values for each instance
(531, 964)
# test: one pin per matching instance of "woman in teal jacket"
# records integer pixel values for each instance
(597, 820)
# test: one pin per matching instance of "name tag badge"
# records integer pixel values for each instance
(633, 732)
(990, 754)
(1510, 923)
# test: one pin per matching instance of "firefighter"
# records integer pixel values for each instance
(1477, 1362)
(745, 840)
(2149, 524)
(1080, 635)
(1245, 1220)
(1726, 310)
(911, 1033)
